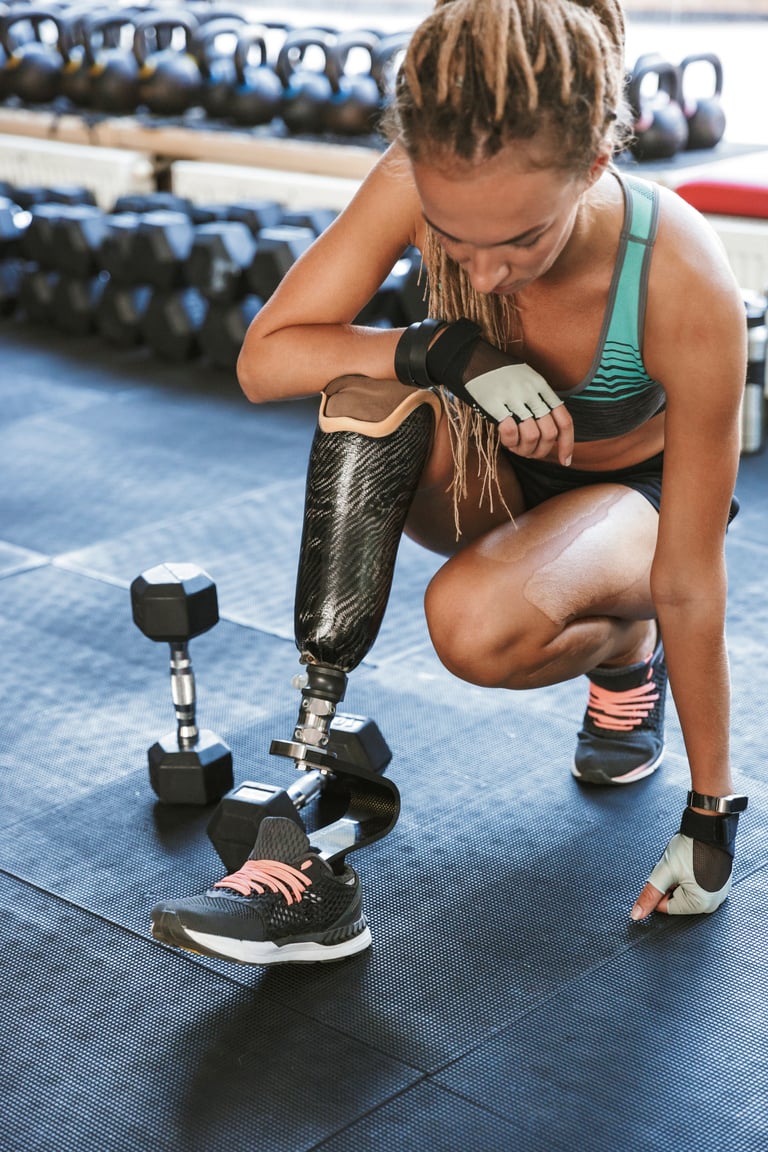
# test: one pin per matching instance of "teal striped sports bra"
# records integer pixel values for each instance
(617, 393)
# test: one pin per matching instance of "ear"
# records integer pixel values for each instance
(597, 168)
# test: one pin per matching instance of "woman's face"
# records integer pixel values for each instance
(503, 220)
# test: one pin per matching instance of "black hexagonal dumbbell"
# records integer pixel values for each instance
(76, 301)
(174, 603)
(36, 289)
(223, 330)
(160, 248)
(354, 741)
(120, 313)
(171, 323)
(220, 254)
(277, 249)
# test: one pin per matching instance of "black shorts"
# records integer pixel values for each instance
(540, 479)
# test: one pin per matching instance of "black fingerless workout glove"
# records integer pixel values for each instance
(435, 353)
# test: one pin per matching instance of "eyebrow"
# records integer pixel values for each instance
(496, 244)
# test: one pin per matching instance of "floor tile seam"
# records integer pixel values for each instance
(348, 1127)
(178, 954)
(46, 561)
(60, 559)
(55, 415)
(60, 564)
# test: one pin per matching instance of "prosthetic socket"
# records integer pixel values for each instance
(368, 452)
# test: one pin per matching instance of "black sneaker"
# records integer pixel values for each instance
(622, 738)
(285, 905)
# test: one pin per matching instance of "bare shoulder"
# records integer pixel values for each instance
(695, 313)
(690, 264)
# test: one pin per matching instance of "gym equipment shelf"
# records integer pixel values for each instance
(179, 142)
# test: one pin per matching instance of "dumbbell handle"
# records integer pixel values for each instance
(183, 694)
(306, 787)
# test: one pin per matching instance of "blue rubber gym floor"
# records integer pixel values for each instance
(507, 1003)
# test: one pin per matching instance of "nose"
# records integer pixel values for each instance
(487, 269)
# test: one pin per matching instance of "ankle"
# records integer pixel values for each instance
(641, 646)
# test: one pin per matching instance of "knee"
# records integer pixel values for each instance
(472, 638)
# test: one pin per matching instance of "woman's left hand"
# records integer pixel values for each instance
(537, 436)
(690, 878)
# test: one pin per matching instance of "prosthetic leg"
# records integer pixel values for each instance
(369, 450)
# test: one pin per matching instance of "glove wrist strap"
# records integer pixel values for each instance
(411, 353)
(718, 830)
(448, 357)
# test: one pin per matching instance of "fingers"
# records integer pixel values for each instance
(536, 437)
(564, 422)
(649, 900)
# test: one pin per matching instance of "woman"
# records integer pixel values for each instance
(571, 556)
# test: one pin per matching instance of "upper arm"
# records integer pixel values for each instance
(340, 272)
(695, 345)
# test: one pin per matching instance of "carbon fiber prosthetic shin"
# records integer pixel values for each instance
(363, 472)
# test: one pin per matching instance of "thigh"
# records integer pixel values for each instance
(442, 524)
(587, 552)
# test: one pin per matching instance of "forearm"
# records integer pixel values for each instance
(300, 360)
(699, 679)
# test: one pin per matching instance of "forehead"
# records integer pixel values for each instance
(491, 201)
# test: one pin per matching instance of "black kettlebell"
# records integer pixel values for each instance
(257, 94)
(660, 128)
(4, 10)
(385, 64)
(307, 89)
(213, 46)
(112, 67)
(356, 102)
(170, 81)
(75, 81)
(705, 115)
(31, 69)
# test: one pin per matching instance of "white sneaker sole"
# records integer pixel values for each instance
(264, 952)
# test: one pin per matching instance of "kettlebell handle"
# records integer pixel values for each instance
(254, 35)
(346, 41)
(205, 37)
(299, 41)
(70, 32)
(704, 58)
(338, 52)
(168, 22)
(383, 55)
(669, 77)
(102, 24)
(34, 16)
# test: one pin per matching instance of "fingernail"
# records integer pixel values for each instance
(568, 462)
(637, 913)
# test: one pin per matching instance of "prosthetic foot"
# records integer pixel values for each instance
(368, 453)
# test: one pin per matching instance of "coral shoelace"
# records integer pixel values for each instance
(268, 875)
(622, 711)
